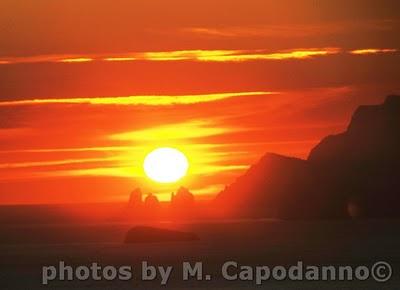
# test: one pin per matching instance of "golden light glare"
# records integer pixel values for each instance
(165, 165)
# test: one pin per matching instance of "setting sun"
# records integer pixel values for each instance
(165, 165)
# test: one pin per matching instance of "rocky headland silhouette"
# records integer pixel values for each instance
(352, 174)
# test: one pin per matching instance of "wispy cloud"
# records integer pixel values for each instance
(63, 150)
(259, 31)
(119, 58)
(15, 165)
(132, 172)
(198, 55)
(123, 171)
(224, 55)
(78, 59)
(150, 100)
(186, 130)
(210, 189)
(373, 51)
(209, 169)
(290, 31)
(291, 54)
(52, 58)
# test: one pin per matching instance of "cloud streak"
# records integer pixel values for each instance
(198, 55)
(290, 31)
(52, 163)
(182, 131)
(373, 51)
(149, 100)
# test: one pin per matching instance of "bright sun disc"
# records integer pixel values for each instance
(165, 165)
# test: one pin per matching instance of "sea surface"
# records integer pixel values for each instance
(25, 249)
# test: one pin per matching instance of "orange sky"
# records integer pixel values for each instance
(87, 88)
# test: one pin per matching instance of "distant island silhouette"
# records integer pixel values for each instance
(181, 204)
(352, 174)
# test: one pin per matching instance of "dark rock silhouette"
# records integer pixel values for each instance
(183, 199)
(355, 173)
(277, 186)
(155, 235)
(362, 165)
(151, 202)
(135, 199)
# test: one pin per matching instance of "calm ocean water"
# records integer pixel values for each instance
(24, 250)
